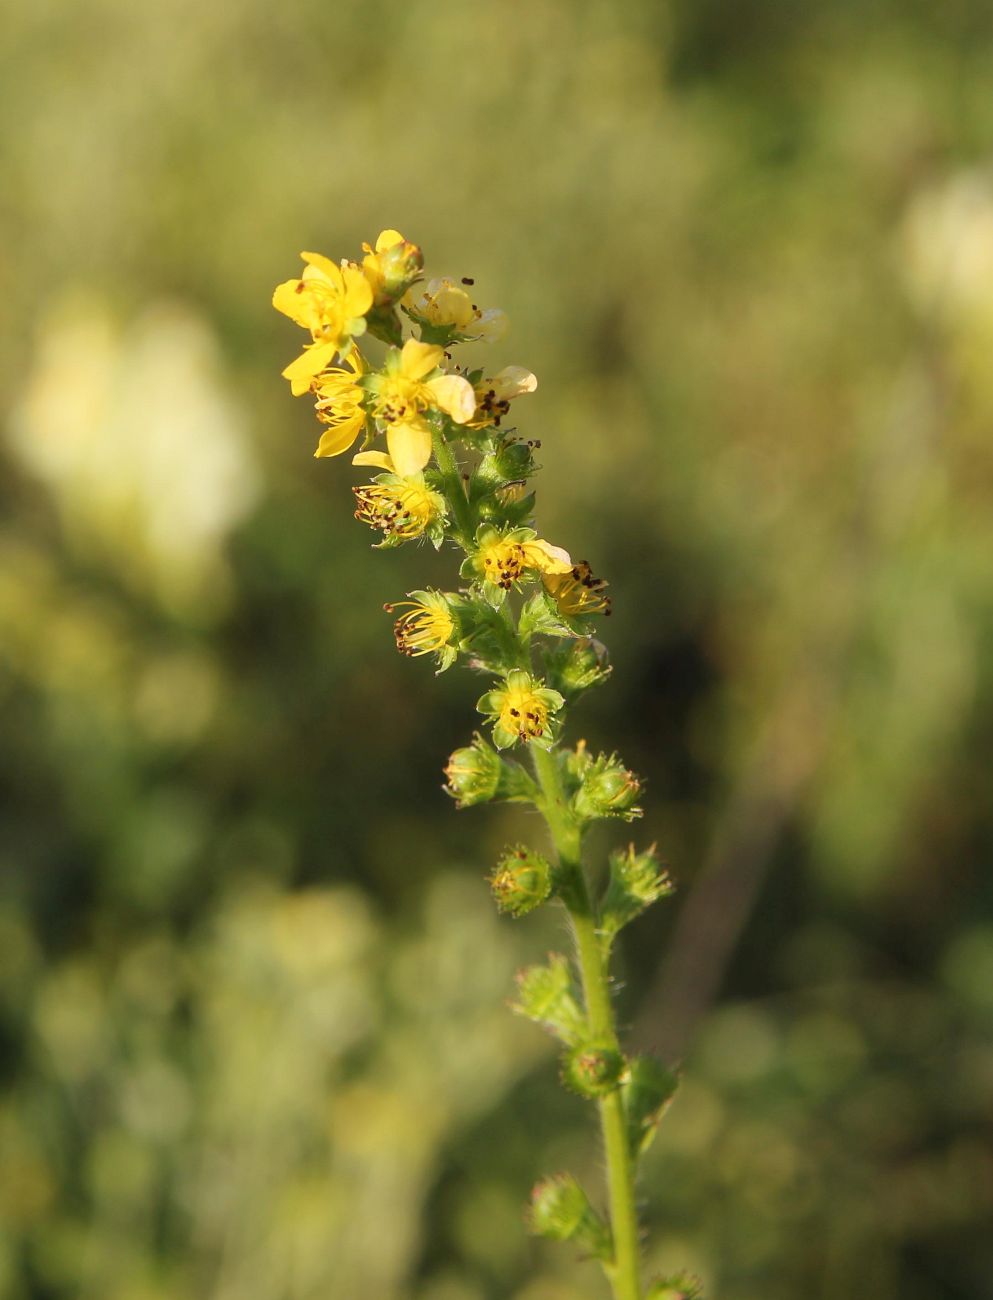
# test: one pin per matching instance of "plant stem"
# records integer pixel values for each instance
(455, 490)
(566, 836)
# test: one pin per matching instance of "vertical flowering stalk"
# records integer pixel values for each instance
(524, 616)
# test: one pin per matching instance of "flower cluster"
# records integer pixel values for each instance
(453, 470)
(408, 415)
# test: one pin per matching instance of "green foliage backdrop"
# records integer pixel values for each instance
(252, 1018)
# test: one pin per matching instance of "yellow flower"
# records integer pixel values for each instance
(390, 266)
(403, 393)
(329, 300)
(426, 626)
(493, 396)
(503, 558)
(522, 710)
(445, 306)
(577, 592)
(401, 509)
(340, 405)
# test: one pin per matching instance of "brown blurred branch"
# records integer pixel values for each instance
(717, 910)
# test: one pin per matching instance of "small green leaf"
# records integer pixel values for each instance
(546, 995)
(647, 1091)
(636, 881)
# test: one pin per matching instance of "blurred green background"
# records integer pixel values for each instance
(252, 1026)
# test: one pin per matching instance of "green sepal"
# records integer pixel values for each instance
(509, 461)
(546, 994)
(560, 1210)
(441, 335)
(572, 667)
(501, 506)
(490, 641)
(540, 617)
(502, 738)
(679, 1286)
(647, 1090)
(383, 323)
(592, 1069)
(636, 881)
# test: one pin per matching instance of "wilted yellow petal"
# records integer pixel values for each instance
(549, 559)
(492, 325)
(387, 238)
(511, 381)
(455, 396)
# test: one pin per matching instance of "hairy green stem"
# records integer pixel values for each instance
(566, 836)
(454, 489)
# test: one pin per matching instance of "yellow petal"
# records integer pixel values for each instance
(377, 458)
(286, 297)
(455, 396)
(358, 292)
(419, 359)
(323, 267)
(453, 305)
(340, 437)
(410, 447)
(309, 363)
(387, 238)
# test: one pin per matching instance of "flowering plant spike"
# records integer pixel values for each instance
(525, 616)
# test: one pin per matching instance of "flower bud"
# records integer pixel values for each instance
(560, 1210)
(545, 994)
(592, 1069)
(680, 1286)
(636, 881)
(521, 881)
(608, 789)
(514, 460)
(473, 773)
(648, 1090)
(396, 268)
(576, 665)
